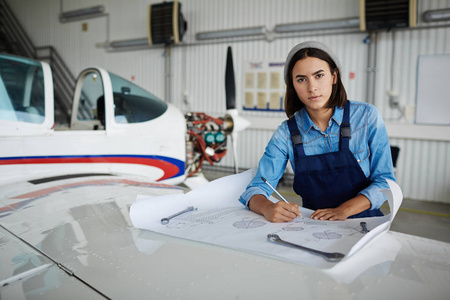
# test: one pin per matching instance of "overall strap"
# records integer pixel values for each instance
(345, 128)
(296, 138)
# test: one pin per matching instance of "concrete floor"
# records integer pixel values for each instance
(421, 218)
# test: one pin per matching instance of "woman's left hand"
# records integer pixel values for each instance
(332, 214)
(342, 212)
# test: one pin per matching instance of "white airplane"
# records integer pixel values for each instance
(115, 127)
(65, 228)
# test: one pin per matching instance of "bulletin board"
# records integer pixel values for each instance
(433, 90)
(264, 85)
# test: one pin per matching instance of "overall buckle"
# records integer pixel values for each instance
(345, 130)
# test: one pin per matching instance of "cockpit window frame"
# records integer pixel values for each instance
(23, 90)
(135, 104)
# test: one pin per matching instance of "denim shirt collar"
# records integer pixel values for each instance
(307, 123)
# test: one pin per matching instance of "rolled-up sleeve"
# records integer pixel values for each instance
(381, 167)
(271, 166)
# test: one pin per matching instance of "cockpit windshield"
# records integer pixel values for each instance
(22, 96)
(133, 104)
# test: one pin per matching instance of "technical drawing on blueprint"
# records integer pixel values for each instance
(225, 222)
(231, 225)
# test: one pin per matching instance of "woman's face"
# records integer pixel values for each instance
(313, 82)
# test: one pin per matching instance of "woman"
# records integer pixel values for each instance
(339, 149)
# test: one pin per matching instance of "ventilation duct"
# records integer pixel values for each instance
(382, 14)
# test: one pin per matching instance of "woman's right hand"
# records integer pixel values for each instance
(274, 212)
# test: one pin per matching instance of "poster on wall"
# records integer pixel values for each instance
(264, 85)
(433, 95)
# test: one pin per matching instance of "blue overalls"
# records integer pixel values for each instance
(328, 180)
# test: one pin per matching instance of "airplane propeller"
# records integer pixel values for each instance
(230, 86)
(235, 123)
(206, 141)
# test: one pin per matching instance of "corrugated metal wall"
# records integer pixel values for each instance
(198, 68)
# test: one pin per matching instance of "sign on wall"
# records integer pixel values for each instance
(264, 85)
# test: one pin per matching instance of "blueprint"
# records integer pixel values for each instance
(222, 220)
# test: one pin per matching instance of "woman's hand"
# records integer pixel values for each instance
(274, 212)
(332, 214)
(342, 212)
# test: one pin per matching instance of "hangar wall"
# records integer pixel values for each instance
(198, 68)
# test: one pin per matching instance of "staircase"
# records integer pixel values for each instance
(14, 40)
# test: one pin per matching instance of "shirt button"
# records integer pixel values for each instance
(326, 135)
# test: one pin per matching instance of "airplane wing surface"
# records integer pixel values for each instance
(71, 237)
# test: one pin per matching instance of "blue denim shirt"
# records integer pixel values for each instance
(369, 143)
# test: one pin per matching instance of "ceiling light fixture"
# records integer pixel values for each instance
(81, 14)
(320, 25)
(129, 43)
(231, 33)
(436, 15)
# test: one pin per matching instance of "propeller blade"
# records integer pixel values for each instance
(238, 124)
(230, 86)
(235, 158)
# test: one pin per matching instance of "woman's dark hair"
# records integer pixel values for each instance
(292, 103)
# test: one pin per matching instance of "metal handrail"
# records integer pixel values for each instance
(14, 32)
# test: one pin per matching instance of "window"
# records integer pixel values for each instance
(133, 104)
(22, 95)
(91, 95)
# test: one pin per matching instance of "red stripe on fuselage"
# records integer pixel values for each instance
(169, 169)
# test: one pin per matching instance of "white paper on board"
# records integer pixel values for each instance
(220, 219)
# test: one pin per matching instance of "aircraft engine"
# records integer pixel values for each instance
(206, 139)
